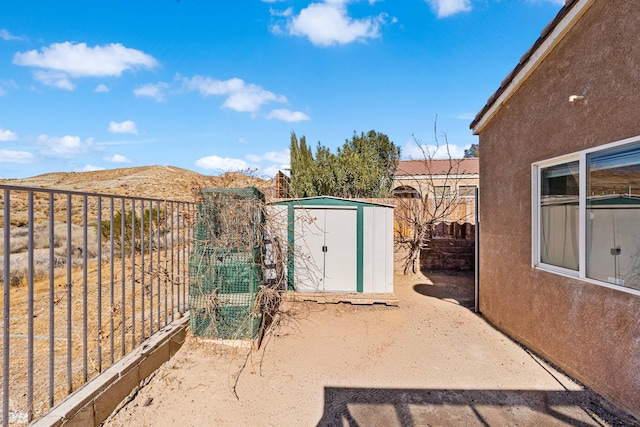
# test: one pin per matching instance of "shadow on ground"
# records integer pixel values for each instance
(421, 407)
(453, 287)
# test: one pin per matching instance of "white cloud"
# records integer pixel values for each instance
(156, 91)
(128, 126)
(271, 171)
(7, 135)
(287, 12)
(269, 163)
(287, 115)
(66, 146)
(54, 78)
(118, 158)
(446, 8)
(62, 61)
(282, 156)
(418, 152)
(79, 60)
(6, 35)
(91, 168)
(7, 83)
(225, 164)
(101, 88)
(241, 96)
(271, 156)
(328, 23)
(276, 29)
(10, 156)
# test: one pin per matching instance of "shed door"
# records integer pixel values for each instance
(326, 250)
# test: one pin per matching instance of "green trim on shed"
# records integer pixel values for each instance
(360, 250)
(328, 201)
(290, 242)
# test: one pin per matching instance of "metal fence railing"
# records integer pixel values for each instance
(86, 279)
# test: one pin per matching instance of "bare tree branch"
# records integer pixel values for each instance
(437, 201)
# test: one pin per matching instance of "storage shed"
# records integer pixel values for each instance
(335, 244)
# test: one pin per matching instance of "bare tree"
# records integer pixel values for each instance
(431, 200)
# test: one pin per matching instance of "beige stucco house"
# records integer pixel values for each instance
(455, 179)
(419, 177)
(560, 199)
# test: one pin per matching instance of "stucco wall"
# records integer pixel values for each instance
(590, 331)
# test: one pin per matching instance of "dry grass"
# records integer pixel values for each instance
(18, 259)
(129, 296)
(134, 290)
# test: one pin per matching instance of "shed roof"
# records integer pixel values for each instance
(438, 167)
(330, 201)
(549, 37)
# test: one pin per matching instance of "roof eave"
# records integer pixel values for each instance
(550, 36)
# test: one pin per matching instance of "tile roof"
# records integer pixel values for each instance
(438, 167)
(523, 60)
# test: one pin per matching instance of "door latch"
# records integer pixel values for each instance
(324, 249)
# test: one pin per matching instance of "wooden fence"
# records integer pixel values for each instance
(458, 224)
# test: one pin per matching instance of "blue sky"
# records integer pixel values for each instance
(216, 86)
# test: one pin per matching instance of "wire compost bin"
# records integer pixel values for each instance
(225, 267)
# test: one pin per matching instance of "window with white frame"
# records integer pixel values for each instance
(559, 187)
(587, 215)
(467, 190)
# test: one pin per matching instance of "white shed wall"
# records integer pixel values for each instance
(377, 247)
(378, 250)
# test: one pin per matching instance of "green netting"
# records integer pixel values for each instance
(225, 267)
(225, 279)
(225, 322)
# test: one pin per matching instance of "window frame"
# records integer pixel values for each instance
(536, 198)
(446, 192)
(471, 195)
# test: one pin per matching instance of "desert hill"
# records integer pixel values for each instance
(163, 182)
(155, 182)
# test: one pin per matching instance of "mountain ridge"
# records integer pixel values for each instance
(155, 181)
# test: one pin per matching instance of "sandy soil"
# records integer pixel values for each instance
(430, 361)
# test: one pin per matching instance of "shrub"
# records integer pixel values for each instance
(133, 226)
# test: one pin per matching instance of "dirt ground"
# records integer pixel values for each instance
(429, 361)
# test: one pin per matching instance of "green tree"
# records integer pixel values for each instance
(369, 162)
(302, 167)
(472, 152)
(363, 167)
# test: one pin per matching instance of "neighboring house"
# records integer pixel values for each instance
(455, 179)
(560, 200)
